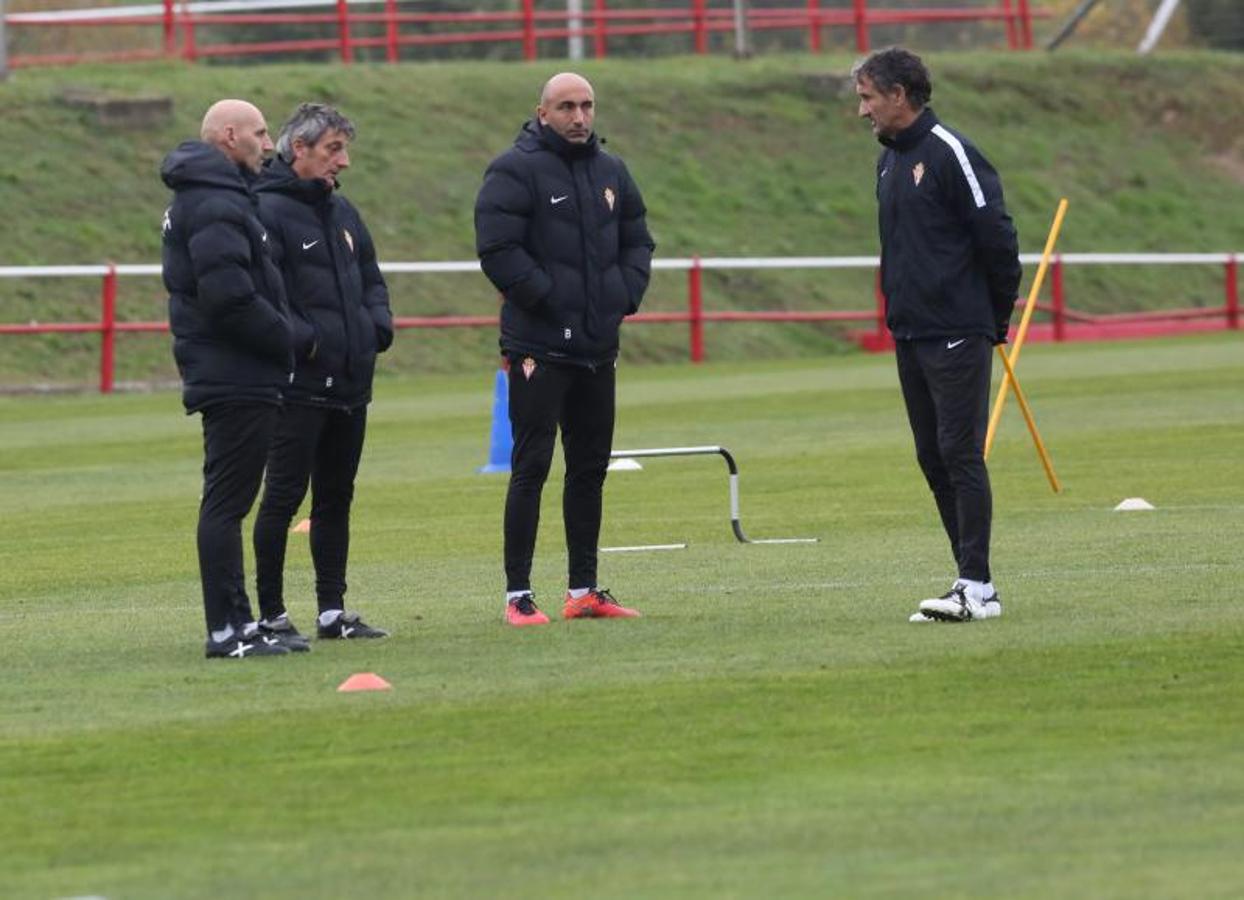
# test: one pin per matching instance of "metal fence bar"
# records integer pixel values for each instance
(694, 315)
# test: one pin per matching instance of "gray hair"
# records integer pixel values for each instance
(309, 123)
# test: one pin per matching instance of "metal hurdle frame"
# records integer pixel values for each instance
(733, 468)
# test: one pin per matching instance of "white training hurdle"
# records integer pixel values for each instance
(733, 468)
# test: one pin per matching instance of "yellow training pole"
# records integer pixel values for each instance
(1022, 332)
(1032, 423)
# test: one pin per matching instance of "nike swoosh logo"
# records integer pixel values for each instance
(557, 200)
(306, 246)
(953, 344)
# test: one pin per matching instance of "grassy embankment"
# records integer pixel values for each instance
(762, 158)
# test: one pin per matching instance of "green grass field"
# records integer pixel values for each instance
(772, 727)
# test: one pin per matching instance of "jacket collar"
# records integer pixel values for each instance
(534, 136)
(279, 176)
(913, 133)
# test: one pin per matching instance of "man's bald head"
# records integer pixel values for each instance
(568, 106)
(237, 128)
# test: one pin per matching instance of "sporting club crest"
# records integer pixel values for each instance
(918, 172)
(349, 238)
(529, 367)
(609, 197)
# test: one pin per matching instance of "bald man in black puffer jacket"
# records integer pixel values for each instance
(233, 346)
(560, 230)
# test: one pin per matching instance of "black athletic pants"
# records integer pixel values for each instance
(235, 449)
(946, 389)
(321, 447)
(580, 400)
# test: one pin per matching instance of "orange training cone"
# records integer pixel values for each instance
(364, 681)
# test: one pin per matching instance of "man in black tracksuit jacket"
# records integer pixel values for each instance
(560, 231)
(341, 308)
(950, 272)
(233, 346)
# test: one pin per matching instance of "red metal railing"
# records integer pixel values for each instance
(526, 26)
(1064, 323)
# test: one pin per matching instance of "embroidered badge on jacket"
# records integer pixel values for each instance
(529, 367)
(609, 198)
(350, 238)
(918, 172)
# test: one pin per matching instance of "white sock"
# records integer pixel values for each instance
(273, 622)
(329, 616)
(975, 589)
(514, 595)
(223, 634)
(249, 629)
(576, 593)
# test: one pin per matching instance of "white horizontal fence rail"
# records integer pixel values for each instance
(1141, 323)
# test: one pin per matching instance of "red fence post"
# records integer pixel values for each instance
(1025, 25)
(814, 25)
(699, 25)
(529, 30)
(1233, 292)
(107, 329)
(343, 32)
(390, 31)
(170, 29)
(879, 296)
(695, 308)
(598, 27)
(188, 50)
(1059, 298)
(1012, 37)
(860, 9)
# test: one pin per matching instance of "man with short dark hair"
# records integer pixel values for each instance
(950, 272)
(233, 346)
(560, 231)
(341, 307)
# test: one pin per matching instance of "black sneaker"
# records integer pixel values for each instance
(348, 626)
(258, 644)
(284, 631)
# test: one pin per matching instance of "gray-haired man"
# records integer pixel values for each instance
(341, 307)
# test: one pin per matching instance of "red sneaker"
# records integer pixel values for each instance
(522, 611)
(596, 604)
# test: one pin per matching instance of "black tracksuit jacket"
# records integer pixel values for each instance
(339, 299)
(949, 252)
(227, 309)
(560, 231)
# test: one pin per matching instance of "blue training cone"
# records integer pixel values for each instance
(501, 442)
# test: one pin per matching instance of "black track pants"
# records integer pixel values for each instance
(320, 447)
(544, 396)
(945, 386)
(235, 449)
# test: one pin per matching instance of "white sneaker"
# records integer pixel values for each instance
(961, 604)
(920, 617)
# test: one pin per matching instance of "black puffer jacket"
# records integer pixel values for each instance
(231, 333)
(334, 285)
(949, 253)
(560, 231)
